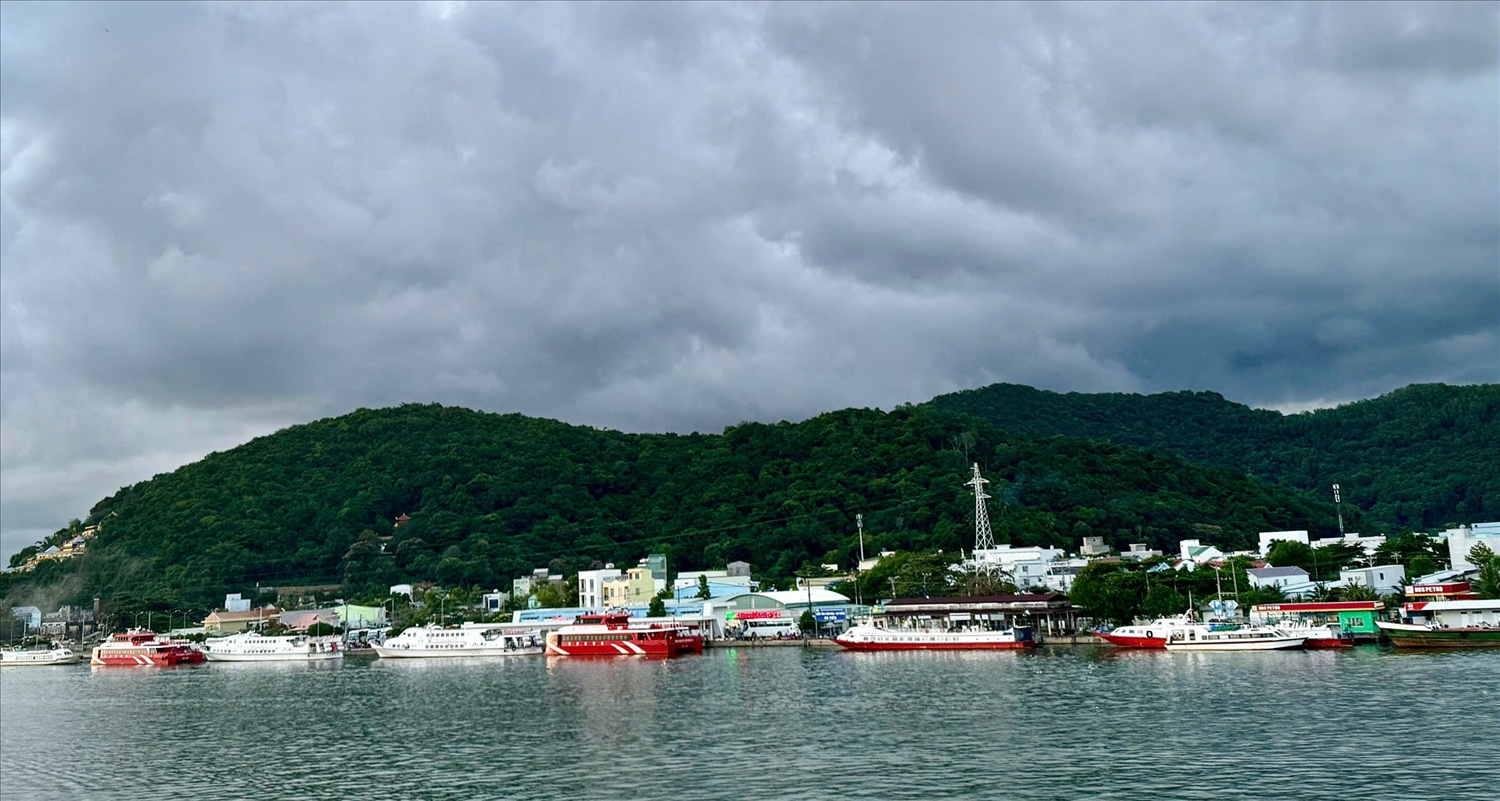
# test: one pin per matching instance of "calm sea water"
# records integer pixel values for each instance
(766, 723)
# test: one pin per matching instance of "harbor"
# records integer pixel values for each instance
(767, 723)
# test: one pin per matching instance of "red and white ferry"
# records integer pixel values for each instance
(1147, 635)
(612, 634)
(139, 647)
(874, 638)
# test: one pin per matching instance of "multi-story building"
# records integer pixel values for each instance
(591, 586)
(1462, 540)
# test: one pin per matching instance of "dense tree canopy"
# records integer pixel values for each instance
(492, 496)
(1423, 456)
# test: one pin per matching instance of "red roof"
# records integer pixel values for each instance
(1323, 606)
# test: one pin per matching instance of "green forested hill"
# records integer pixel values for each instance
(490, 496)
(1424, 456)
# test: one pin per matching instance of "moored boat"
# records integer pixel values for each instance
(1320, 636)
(874, 638)
(1232, 638)
(472, 639)
(251, 646)
(613, 634)
(36, 657)
(139, 647)
(1421, 635)
(1146, 635)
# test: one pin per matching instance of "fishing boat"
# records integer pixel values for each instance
(471, 639)
(1232, 638)
(141, 647)
(1427, 635)
(875, 638)
(613, 634)
(1467, 623)
(37, 657)
(1147, 635)
(251, 646)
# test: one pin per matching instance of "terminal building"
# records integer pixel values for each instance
(1355, 617)
(1050, 612)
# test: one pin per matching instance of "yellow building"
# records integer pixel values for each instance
(233, 622)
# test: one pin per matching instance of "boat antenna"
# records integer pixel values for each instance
(984, 536)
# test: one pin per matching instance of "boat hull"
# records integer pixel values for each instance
(936, 646)
(1410, 636)
(288, 657)
(147, 660)
(1279, 644)
(1124, 641)
(660, 648)
(385, 652)
(40, 659)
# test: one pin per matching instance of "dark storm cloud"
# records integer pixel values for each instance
(218, 219)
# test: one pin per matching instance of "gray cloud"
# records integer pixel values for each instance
(220, 219)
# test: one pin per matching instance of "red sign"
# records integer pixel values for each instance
(757, 614)
(1322, 606)
(1438, 589)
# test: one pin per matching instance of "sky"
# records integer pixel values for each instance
(219, 220)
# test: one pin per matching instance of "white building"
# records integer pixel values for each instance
(493, 601)
(591, 586)
(1278, 577)
(1093, 546)
(1268, 537)
(234, 603)
(1195, 553)
(1369, 544)
(1028, 566)
(1461, 540)
(689, 578)
(1383, 579)
(1139, 552)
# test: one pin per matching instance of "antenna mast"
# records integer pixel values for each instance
(1338, 505)
(984, 536)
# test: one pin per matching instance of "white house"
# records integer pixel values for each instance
(1461, 540)
(1268, 537)
(591, 586)
(1028, 566)
(1383, 579)
(1278, 577)
(1195, 553)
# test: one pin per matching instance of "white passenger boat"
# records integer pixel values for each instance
(874, 638)
(18, 657)
(253, 647)
(472, 639)
(1232, 638)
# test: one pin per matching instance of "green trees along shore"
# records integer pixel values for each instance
(426, 493)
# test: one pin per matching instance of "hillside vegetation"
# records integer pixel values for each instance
(490, 496)
(1424, 457)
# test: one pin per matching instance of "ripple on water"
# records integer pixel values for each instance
(767, 724)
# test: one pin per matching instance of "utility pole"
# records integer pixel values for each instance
(859, 520)
(1338, 505)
